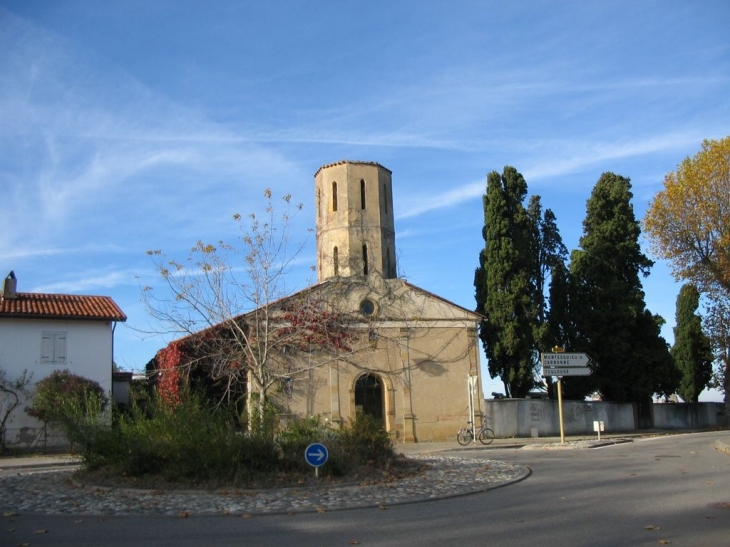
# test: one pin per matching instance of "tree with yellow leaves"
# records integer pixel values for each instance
(688, 222)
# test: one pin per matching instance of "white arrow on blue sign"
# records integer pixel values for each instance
(316, 454)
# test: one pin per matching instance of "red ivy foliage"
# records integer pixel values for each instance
(310, 327)
(168, 382)
(305, 327)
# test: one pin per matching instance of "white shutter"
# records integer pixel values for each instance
(59, 348)
(47, 347)
(53, 347)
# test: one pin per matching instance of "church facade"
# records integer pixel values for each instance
(405, 355)
(417, 363)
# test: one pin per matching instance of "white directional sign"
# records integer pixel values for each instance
(565, 360)
(568, 371)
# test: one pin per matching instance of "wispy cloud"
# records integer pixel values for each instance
(82, 140)
(418, 205)
(546, 166)
(87, 284)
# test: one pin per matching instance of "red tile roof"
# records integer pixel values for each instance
(61, 306)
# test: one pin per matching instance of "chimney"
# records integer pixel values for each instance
(10, 286)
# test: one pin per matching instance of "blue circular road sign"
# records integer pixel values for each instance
(316, 454)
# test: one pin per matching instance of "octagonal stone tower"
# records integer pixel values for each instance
(355, 228)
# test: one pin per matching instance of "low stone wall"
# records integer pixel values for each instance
(541, 418)
(687, 415)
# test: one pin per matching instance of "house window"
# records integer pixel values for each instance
(334, 196)
(362, 194)
(336, 260)
(53, 348)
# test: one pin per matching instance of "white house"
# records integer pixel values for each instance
(42, 333)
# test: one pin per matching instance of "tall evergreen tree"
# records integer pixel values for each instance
(631, 359)
(548, 252)
(691, 351)
(505, 283)
(558, 329)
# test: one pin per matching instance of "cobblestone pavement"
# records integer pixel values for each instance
(52, 492)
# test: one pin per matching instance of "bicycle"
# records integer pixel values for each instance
(467, 434)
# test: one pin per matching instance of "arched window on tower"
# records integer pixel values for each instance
(362, 194)
(365, 259)
(336, 260)
(334, 195)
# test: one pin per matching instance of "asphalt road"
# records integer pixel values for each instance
(664, 491)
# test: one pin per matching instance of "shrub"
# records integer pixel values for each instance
(191, 441)
(195, 442)
(365, 441)
(63, 397)
(299, 434)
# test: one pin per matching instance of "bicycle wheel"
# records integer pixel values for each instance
(464, 436)
(486, 436)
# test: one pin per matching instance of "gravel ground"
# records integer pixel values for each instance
(56, 492)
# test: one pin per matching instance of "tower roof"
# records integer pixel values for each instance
(356, 162)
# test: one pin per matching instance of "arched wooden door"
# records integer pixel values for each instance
(369, 395)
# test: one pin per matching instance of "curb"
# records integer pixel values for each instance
(41, 465)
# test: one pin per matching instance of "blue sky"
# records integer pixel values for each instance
(137, 125)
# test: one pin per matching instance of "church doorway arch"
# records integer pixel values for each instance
(369, 395)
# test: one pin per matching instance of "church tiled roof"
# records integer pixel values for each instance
(61, 306)
(355, 162)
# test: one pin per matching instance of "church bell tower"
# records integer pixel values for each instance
(355, 228)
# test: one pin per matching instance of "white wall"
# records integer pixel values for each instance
(88, 354)
(518, 417)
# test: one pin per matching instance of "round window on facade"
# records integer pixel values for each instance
(367, 307)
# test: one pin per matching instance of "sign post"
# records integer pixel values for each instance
(316, 455)
(560, 409)
(598, 427)
(558, 363)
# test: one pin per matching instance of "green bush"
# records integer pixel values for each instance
(196, 442)
(190, 441)
(299, 434)
(73, 403)
(63, 396)
(365, 441)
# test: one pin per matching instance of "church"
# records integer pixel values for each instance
(412, 359)
(421, 374)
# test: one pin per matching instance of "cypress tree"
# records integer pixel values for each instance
(505, 283)
(631, 359)
(691, 351)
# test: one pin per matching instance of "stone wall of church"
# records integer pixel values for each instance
(423, 375)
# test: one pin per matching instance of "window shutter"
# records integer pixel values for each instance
(53, 347)
(46, 348)
(59, 349)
